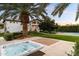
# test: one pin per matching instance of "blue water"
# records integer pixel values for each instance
(16, 49)
(69, 33)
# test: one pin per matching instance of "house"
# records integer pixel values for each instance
(33, 25)
(17, 27)
(12, 27)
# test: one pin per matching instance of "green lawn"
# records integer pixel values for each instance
(60, 37)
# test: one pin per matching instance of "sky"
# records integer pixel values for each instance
(68, 17)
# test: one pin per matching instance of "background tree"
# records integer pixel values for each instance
(68, 28)
(47, 25)
(75, 51)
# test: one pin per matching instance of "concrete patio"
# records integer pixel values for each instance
(56, 48)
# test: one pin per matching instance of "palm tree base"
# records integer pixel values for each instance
(23, 36)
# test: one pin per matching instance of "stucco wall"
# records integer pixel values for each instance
(17, 27)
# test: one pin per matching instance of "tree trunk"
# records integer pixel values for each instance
(25, 21)
(5, 29)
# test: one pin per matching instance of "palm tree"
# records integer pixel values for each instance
(59, 9)
(23, 12)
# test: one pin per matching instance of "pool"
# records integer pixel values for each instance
(69, 33)
(20, 49)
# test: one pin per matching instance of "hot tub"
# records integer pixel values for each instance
(20, 48)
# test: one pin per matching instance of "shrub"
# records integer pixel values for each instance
(11, 36)
(75, 51)
(1, 26)
(47, 25)
(15, 35)
(1, 34)
(8, 36)
(45, 31)
(53, 32)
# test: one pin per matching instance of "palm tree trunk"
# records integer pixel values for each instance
(5, 29)
(25, 20)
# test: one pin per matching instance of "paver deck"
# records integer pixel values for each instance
(60, 48)
(45, 41)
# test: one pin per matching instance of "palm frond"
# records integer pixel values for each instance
(42, 7)
(60, 8)
(43, 16)
(14, 18)
(77, 14)
(33, 9)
